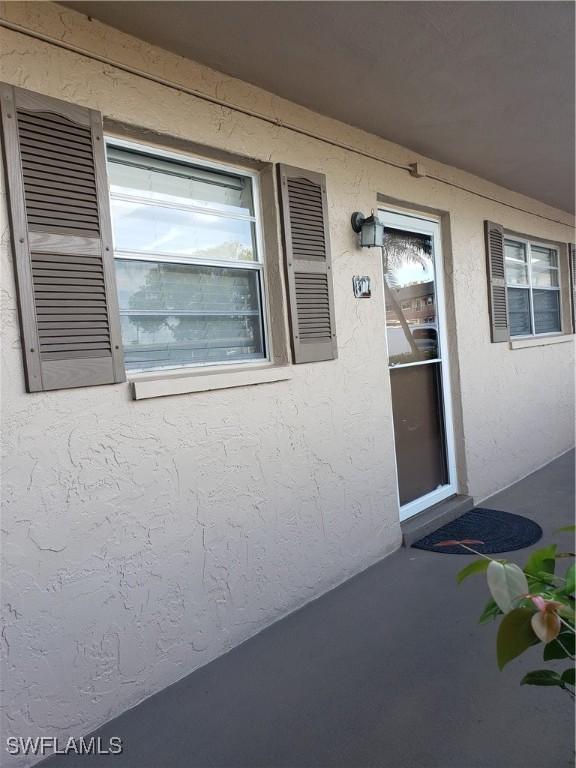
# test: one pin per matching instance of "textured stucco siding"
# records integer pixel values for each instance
(143, 539)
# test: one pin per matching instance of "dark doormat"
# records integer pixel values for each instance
(499, 532)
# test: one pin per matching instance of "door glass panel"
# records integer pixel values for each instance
(418, 430)
(411, 318)
(414, 355)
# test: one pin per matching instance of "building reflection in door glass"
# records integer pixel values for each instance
(411, 322)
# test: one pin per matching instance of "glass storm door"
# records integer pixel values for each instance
(418, 362)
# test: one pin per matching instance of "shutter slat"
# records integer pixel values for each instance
(33, 130)
(44, 122)
(49, 165)
(72, 203)
(70, 315)
(58, 193)
(42, 155)
(497, 296)
(64, 180)
(84, 325)
(68, 268)
(308, 264)
(36, 190)
(39, 182)
(52, 148)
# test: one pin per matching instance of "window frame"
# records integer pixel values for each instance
(258, 265)
(528, 243)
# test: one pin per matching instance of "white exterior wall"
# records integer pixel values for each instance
(143, 539)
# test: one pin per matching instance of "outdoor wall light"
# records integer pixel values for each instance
(371, 230)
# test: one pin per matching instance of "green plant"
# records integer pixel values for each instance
(535, 605)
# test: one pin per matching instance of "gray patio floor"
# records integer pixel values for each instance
(389, 669)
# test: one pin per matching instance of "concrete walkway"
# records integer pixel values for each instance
(391, 669)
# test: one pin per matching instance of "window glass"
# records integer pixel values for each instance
(544, 266)
(546, 311)
(516, 263)
(181, 314)
(535, 308)
(519, 311)
(172, 223)
(156, 229)
(154, 178)
(543, 257)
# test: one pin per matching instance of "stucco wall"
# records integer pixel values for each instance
(142, 539)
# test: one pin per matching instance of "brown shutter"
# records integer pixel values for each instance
(572, 260)
(308, 265)
(56, 169)
(498, 302)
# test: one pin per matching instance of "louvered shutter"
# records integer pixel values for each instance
(572, 259)
(56, 170)
(308, 265)
(497, 298)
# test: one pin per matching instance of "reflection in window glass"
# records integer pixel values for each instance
(516, 263)
(181, 314)
(546, 311)
(154, 178)
(519, 311)
(155, 229)
(411, 320)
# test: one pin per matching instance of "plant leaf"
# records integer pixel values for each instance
(554, 650)
(542, 677)
(567, 612)
(474, 567)
(490, 612)
(515, 635)
(541, 561)
(568, 528)
(570, 577)
(569, 676)
(546, 625)
(507, 583)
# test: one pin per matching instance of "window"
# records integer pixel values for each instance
(533, 288)
(189, 269)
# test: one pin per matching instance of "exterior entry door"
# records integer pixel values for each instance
(418, 361)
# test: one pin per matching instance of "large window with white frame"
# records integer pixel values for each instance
(533, 287)
(188, 259)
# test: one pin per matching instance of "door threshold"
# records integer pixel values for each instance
(429, 520)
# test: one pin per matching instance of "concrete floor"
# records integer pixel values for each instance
(391, 669)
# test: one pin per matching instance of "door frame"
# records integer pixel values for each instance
(428, 225)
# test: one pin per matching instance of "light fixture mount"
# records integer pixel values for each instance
(357, 219)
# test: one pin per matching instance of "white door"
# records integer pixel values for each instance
(418, 361)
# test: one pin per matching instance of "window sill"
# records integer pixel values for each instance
(164, 384)
(540, 341)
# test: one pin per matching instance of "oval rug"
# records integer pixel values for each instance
(498, 532)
